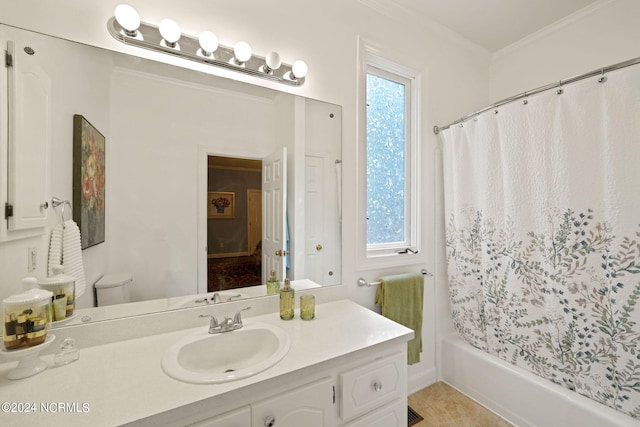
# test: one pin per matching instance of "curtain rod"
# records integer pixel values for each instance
(601, 71)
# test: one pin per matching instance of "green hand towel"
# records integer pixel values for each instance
(400, 296)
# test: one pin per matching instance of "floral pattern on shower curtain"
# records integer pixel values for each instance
(542, 202)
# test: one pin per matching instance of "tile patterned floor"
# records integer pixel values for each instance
(443, 406)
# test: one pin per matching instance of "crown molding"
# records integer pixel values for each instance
(552, 28)
(393, 10)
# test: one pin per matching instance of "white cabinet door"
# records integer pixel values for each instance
(322, 206)
(29, 90)
(238, 418)
(314, 222)
(308, 406)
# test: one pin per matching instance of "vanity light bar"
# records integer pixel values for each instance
(239, 59)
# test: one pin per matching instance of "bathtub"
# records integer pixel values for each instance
(519, 396)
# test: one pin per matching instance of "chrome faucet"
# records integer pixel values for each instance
(227, 325)
(216, 298)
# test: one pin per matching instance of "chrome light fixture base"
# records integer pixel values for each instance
(148, 37)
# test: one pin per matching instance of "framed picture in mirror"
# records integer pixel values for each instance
(88, 181)
(221, 204)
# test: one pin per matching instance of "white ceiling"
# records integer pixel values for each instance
(492, 24)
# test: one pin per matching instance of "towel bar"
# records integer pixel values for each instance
(362, 282)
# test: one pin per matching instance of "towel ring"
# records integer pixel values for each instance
(56, 201)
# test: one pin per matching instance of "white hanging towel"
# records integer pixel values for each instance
(55, 248)
(72, 255)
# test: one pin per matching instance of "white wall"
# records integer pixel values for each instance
(603, 35)
(325, 34)
(152, 192)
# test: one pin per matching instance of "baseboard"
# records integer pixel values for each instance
(419, 381)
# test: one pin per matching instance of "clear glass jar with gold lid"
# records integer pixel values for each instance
(27, 317)
(63, 288)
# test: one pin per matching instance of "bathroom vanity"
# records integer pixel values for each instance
(347, 367)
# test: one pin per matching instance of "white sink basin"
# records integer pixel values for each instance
(204, 358)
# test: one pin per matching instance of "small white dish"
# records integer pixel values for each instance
(29, 362)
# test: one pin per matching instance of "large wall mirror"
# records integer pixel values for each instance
(187, 211)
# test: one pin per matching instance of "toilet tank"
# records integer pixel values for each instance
(114, 288)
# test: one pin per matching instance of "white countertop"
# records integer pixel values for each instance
(122, 382)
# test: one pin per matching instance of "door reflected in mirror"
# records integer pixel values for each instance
(234, 223)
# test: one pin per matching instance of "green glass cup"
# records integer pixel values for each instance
(307, 307)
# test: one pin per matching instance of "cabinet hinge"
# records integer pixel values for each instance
(8, 59)
(8, 210)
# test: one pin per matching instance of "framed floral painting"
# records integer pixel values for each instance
(88, 181)
(221, 204)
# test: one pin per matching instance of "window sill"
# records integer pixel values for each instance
(372, 262)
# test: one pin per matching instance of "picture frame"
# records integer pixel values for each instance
(88, 181)
(221, 204)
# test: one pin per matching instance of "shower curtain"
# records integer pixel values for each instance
(542, 209)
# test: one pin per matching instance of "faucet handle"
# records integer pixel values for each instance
(214, 321)
(237, 319)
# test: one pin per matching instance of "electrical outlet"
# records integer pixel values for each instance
(32, 259)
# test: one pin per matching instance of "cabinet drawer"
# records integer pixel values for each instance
(372, 385)
(392, 415)
(238, 418)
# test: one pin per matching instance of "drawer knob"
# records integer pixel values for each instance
(270, 421)
(377, 386)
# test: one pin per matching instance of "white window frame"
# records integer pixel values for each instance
(388, 255)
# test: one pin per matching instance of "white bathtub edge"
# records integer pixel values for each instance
(519, 396)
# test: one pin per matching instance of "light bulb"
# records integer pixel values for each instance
(170, 31)
(242, 52)
(128, 19)
(299, 69)
(273, 61)
(208, 42)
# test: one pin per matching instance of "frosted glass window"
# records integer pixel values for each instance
(389, 154)
(386, 160)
